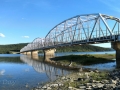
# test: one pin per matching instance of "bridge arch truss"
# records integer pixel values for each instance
(81, 29)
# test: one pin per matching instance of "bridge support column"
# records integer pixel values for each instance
(34, 52)
(34, 55)
(23, 53)
(28, 53)
(116, 46)
(49, 52)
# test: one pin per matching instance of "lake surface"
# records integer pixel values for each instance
(22, 72)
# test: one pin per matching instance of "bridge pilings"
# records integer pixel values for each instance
(23, 53)
(49, 52)
(28, 53)
(34, 55)
(31, 52)
(116, 46)
(34, 52)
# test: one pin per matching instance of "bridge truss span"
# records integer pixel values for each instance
(81, 29)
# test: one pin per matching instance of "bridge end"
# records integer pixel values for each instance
(49, 52)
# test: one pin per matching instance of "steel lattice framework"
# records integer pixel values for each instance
(81, 29)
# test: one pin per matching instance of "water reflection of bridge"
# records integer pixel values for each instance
(37, 63)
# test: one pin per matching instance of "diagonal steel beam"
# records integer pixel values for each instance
(94, 27)
(106, 25)
(83, 27)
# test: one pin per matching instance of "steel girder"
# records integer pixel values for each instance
(78, 30)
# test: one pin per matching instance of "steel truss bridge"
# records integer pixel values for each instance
(78, 30)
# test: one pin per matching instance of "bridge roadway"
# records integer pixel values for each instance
(79, 30)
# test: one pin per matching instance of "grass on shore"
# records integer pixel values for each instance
(84, 59)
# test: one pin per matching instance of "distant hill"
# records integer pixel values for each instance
(82, 48)
(11, 48)
(14, 48)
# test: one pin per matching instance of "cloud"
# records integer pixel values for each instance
(2, 35)
(25, 37)
(112, 4)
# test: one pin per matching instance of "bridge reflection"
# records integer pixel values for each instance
(39, 64)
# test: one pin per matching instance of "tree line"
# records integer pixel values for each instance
(7, 49)
(82, 48)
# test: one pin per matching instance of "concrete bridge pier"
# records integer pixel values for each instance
(116, 46)
(28, 53)
(49, 52)
(23, 53)
(34, 52)
(34, 55)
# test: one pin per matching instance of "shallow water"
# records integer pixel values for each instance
(22, 72)
(105, 66)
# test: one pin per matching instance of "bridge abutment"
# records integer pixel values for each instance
(34, 55)
(28, 53)
(34, 52)
(49, 52)
(116, 46)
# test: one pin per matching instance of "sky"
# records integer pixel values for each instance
(21, 21)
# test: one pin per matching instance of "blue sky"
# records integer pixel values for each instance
(24, 20)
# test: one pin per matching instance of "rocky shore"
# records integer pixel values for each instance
(85, 80)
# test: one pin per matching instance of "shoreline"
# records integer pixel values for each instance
(86, 79)
(77, 61)
(90, 80)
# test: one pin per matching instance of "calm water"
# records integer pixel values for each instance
(21, 72)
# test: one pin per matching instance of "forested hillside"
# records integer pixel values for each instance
(82, 48)
(16, 48)
(11, 48)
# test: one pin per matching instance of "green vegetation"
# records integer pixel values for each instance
(7, 49)
(81, 48)
(84, 59)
